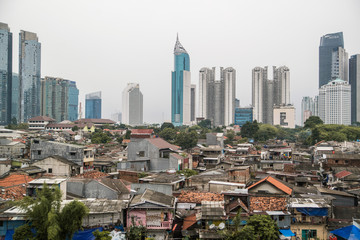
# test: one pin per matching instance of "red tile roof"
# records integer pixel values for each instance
(189, 221)
(14, 180)
(142, 131)
(161, 143)
(92, 175)
(343, 174)
(274, 182)
(14, 193)
(197, 197)
(268, 203)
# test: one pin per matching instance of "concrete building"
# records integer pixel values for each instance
(58, 166)
(267, 93)
(29, 75)
(11, 149)
(333, 60)
(217, 97)
(193, 102)
(181, 87)
(316, 106)
(284, 116)
(243, 115)
(5, 74)
(40, 122)
(60, 182)
(132, 105)
(93, 105)
(15, 97)
(307, 109)
(335, 102)
(354, 80)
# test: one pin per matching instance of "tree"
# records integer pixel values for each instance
(47, 219)
(169, 134)
(100, 137)
(206, 123)
(187, 172)
(266, 132)
(136, 232)
(249, 129)
(312, 121)
(23, 232)
(127, 134)
(75, 128)
(230, 137)
(104, 235)
(187, 140)
(167, 125)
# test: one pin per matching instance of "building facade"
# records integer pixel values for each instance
(335, 102)
(217, 97)
(15, 97)
(332, 58)
(193, 102)
(29, 75)
(132, 105)
(181, 87)
(93, 105)
(284, 116)
(354, 79)
(268, 93)
(243, 115)
(307, 108)
(5, 73)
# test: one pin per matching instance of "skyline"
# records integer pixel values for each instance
(139, 43)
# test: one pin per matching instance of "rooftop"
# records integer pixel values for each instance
(14, 180)
(153, 197)
(198, 197)
(42, 118)
(162, 144)
(274, 182)
(92, 175)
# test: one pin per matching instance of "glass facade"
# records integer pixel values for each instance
(354, 80)
(73, 100)
(181, 64)
(29, 73)
(329, 45)
(15, 102)
(93, 105)
(5, 73)
(243, 115)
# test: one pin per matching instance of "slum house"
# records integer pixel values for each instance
(11, 149)
(201, 181)
(58, 166)
(57, 181)
(13, 187)
(341, 198)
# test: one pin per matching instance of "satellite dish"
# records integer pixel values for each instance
(221, 225)
(212, 226)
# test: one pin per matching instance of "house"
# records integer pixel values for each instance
(81, 155)
(40, 122)
(13, 187)
(342, 160)
(11, 149)
(240, 174)
(58, 166)
(270, 185)
(153, 210)
(213, 217)
(59, 182)
(97, 122)
(215, 139)
(201, 181)
(341, 198)
(219, 186)
(11, 218)
(141, 134)
(5, 166)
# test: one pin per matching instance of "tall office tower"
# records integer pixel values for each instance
(29, 75)
(354, 79)
(132, 105)
(15, 97)
(316, 106)
(307, 109)
(93, 105)
(59, 99)
(269, 93)
(193, 102)
(332, 58)
(335, 102)
(237, 103)
(5, 73)
(217, 97)
(180, 87)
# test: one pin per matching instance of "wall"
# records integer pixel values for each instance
(58, 168)
(321, 232)
(265, 187)
(141, 187)
(94, 189)
(76, 188)
(95, 219)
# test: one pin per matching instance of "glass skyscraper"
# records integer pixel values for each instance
(15, 96)
(333, 60)
(180, 87)
(29, 74)
(5, 73)
(73, 101)
(354, 79)
(243, 115)
(93, 105)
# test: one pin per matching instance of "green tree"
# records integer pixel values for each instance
(45, 216)
(206, 123)
(237, 231)
(75, 128)
(23, 233)
(230, 137)
(104, 235)
(249, 129)
(266, 132)
(167, 125)
(187, 172)
(264, 227)
(100, 137)
(127, 134)
(169, 134)
(187, 140)
(312, 121)
(136, 232)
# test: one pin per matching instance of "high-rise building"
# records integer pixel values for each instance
(132, 105)
(29, 75)
(316, 106)
(335, 102)
(93, 105)
(180, 87)
(284, 116)
(269, 93)
(217, 97)
(15, 97)
(193, 102)
(354, 79)
(333, 59)
(5, 73)
(243, 115)
(59, 99)
(307, 109)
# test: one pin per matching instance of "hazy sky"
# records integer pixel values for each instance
(103, 45)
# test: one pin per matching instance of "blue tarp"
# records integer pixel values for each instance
(350, 232)
(80, 235)
(287, 232)
(321, 212)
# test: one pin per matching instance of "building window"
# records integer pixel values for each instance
(50, 170)
(39, 152)
(142, 154)
(72, 153)
(281, 218)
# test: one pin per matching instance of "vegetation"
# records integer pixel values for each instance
(187, 140)
(205, 124)
(169, 134)
(104, 235)
(136, 232)
(47, 219)
(17, 126)
(249, 129)
(100, 137)
(187, 172)
(167, 125)
(312, 121)
(127, 134)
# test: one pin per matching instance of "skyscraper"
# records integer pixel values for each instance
(5, 73)
(29, 75)
(193, 102)
(132, 105)
(217, 97)
(269, 93)
(93, 105)
(335, 102)
(333, 59)
(180, 87)
(354, 79)
(15, 97)
(307, 109)
(59, 99)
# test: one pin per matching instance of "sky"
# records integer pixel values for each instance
(105, 44)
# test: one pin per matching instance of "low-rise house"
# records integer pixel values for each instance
(59, 182)
(5, 166)
(341, 198)
(141, 134)
(240, 174)
(219, 186)
(153, 210)
(342, 160)
(58, 166)
(215, 139)
(13, 187)
(97, 122)
(11, 218)
(40, 122)
(201, 181)
(11, 149)
(213, 217)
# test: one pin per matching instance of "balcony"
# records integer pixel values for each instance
(164, 225)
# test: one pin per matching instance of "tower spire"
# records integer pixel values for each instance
(178, 49)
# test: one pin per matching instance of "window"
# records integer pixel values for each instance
(142, 154)
(39, 152)
(281, 218)
(49, 170)
(72, 153)
(308, 234)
